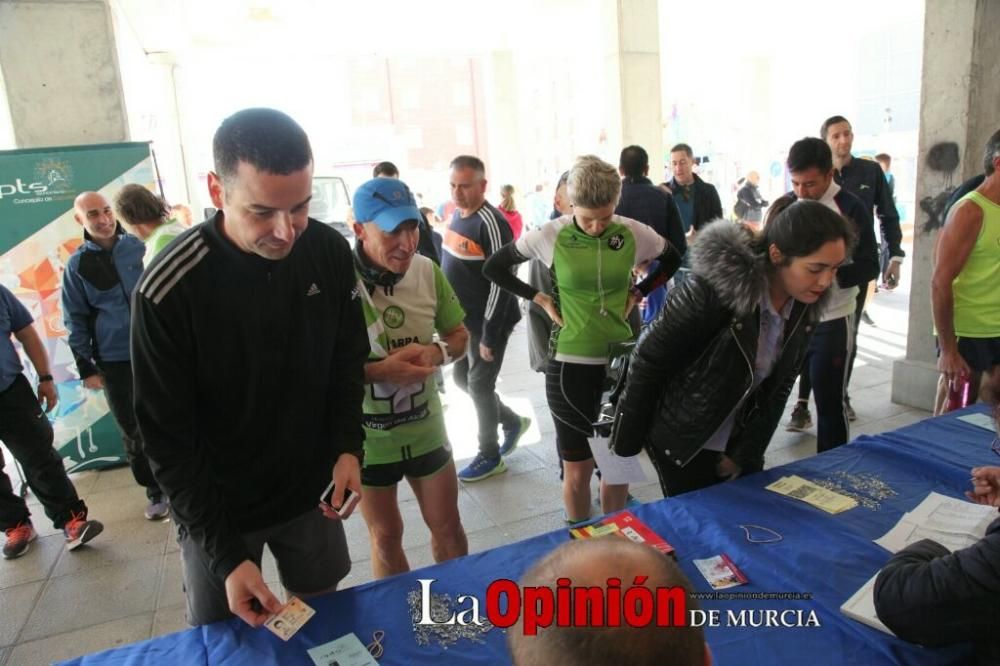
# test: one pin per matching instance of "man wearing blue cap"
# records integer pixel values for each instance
(414, 326)
(248, 350)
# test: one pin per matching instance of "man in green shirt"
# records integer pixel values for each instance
(414, 325)
(148, 215)
(964, 287)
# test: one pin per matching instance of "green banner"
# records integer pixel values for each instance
(38, 233)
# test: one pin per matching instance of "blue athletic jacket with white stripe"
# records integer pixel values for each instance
(97, 286)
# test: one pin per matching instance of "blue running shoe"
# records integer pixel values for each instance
(481, 468)
(513, 436)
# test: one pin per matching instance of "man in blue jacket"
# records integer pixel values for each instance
(96, 294)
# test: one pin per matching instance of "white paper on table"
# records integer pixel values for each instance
(905, 532)
(980, 420)
(952, 522)
(346, 651)
(615, 469)
(950, 514)
(861, 607)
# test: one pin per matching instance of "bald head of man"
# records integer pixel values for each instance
(753, 177)
(591, 562)
(94, 212)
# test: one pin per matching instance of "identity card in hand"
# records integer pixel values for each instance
(289, 619)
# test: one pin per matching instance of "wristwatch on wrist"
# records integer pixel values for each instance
(445, 356)
(44, 378)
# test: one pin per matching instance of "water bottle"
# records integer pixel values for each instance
(958, 393)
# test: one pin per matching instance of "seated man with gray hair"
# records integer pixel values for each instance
(592, 562)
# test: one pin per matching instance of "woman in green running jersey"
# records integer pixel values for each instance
(591, 254)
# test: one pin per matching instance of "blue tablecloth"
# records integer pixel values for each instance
(828, 557)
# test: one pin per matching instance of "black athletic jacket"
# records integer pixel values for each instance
(643, 201)
(249, 377)
(929, 596)
(866, 180)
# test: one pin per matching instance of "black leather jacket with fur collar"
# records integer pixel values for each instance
(696, 362)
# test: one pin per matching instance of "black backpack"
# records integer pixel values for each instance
(740, 209)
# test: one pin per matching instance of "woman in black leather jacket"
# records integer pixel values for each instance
(709, 380)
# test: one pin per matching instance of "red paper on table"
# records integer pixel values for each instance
(627, 526)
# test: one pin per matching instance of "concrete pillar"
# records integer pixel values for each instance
(506, 163)
(60, 70)
(171, 160)
(959, 96)
(632, 74)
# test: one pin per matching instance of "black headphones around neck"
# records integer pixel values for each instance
(370, 274)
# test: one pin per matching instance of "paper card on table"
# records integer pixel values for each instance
(720, 572)
(981, 420)
(906, 532)
(626, 525)
(801, 489)
(286, 622)
(952, 522)
(615, 469)
(861, 607)
(345, 651)
(951, 514)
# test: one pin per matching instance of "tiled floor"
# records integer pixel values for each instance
(126, 586)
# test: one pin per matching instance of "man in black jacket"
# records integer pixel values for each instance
(643, 201)
(651, 205)
(865, 180)
(697, 201)
(929, 596)
(749, 203)
(249, 347)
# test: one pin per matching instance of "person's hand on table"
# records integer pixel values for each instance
(244, 586)
(985, 486)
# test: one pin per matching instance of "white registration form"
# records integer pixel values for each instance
(952, 522)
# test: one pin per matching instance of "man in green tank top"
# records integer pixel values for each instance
(965, 288)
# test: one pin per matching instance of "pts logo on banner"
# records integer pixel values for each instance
(51, 178)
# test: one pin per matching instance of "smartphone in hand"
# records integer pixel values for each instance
(350, 499)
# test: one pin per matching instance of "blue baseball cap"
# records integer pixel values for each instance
(387, 202)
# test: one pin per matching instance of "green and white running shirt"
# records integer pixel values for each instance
(403, 422)
(592, 279)
(161, 238)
